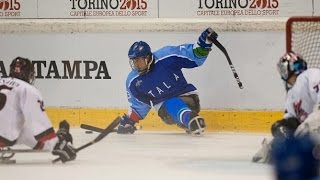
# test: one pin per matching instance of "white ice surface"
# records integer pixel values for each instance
(149, 156)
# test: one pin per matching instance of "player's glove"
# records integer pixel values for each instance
(126, 125)
(284, 128)
(64, 148)
(64, 130)
(205, 39)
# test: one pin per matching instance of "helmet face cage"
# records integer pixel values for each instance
(22, 68)
(132, 64)
(148, 60)
(289, 64)
(283, 69)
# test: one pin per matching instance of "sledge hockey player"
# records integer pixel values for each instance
(23, 119)
(302, 113)
(157, 80)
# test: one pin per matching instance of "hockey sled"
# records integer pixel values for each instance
(6, 154)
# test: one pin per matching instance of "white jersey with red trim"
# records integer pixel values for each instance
(23, 119)
(303, 97)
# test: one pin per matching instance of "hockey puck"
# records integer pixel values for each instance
(88, 132)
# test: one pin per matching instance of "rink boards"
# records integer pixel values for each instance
(216, 120)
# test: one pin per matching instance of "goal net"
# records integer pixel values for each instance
(303, 37)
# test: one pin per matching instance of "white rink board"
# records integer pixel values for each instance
(196, 25)
(254, 55)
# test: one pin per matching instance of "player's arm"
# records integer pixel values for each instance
(312, 123)
(38, 125)
(36, 120)
(289, 106)
(287, 126)
(187, 55)
(137, 110)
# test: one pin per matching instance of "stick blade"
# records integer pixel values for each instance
(91, 128)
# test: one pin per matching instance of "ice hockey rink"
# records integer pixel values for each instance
(149, 155)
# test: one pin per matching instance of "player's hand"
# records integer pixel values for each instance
(206, 37)
(64, 131)
(126, 126)
(64, 148)
(65, 151)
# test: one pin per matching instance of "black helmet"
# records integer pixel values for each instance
(22, 68)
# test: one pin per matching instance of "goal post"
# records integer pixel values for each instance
(303, 37)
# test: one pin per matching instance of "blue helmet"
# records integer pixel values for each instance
(139, 49)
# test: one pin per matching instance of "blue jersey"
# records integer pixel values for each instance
(164, 80)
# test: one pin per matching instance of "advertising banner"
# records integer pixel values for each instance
(18, 9)
(116, 9)
(234, 8)
(99, 9)
(55, 9)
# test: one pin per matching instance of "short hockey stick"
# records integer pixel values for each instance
(97, 129)
(93, 128)
(103, 134)
(223, 49)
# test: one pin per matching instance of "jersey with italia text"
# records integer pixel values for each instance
(165, 79)
(303, 97)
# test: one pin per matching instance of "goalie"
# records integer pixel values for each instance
(23, 119)
(157, 80)
(302, 113)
